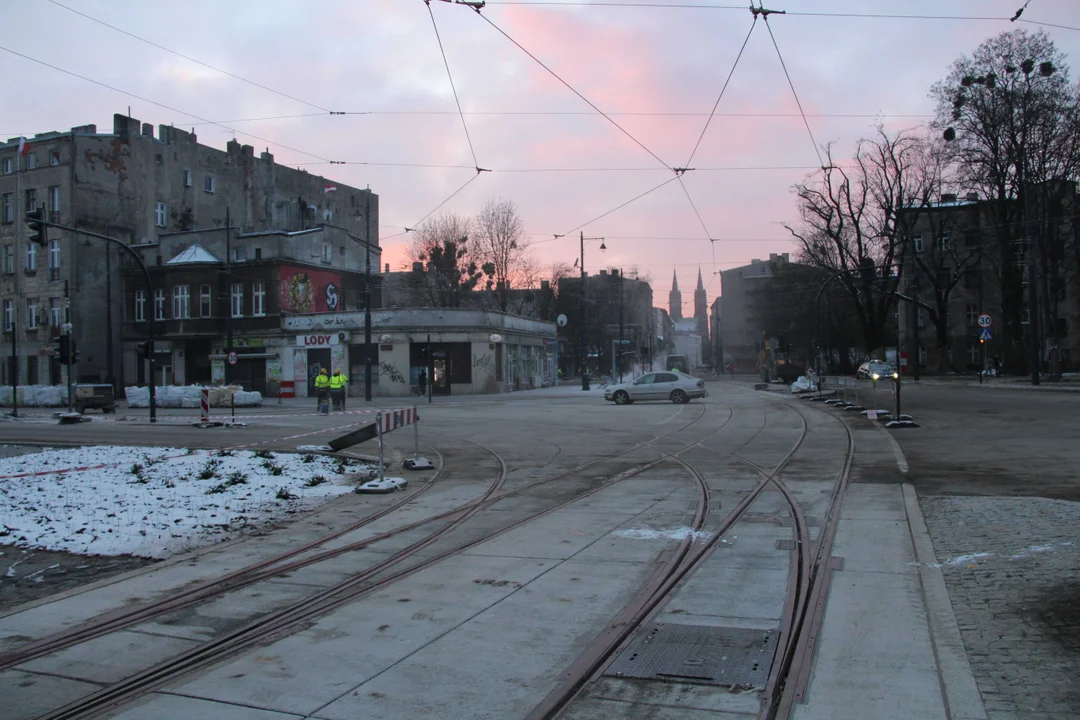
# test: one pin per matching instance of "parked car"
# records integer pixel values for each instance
(874, 367)
(673, 386)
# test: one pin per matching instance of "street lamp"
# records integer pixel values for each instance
(581, 313)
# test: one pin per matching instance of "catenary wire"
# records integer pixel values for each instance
(572, 89)
(619, 207)
(431, 212)
(709, 6)
(806, 122)
(712, 113)
(453, 87)
(1053, 25)
(158, 104)
(189, 58)
(695, 208)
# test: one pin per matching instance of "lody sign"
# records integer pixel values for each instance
(322, 340)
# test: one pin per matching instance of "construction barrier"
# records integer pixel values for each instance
(205, 405)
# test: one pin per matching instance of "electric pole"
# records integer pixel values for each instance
(228, 292)
(367, 295)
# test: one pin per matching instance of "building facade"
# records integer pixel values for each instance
(742, 331)
(135, 184)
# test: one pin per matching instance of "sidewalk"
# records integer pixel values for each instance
(890, 647)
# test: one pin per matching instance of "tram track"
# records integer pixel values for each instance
(329, 599)
(806, 587)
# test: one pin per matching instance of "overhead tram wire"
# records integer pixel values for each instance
(158, 104)
(572, 89)
(708, 6)
(556, 113)
(619, 207)
(191, 59)
(765, 15)
(431, 212)
(453, 87)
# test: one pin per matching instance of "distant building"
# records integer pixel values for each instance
(742, 332)
(615, 307)
(690, 336)
(140, 185)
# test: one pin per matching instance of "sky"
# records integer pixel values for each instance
(278, 69)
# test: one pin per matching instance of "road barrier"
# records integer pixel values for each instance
(205, 403)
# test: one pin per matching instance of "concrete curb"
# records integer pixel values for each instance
(959, 689)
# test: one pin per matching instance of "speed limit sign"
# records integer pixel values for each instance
(232, 358)
(985, 321)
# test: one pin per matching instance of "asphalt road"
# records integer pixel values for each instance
(991, 441)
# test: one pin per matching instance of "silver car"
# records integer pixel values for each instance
(673, 386)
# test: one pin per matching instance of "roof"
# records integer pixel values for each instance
(194, 254)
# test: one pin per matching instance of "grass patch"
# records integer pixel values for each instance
(315, 481)
(284, 494)
(265, 454)
(209, 470)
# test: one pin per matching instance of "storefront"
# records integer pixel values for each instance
(456, 351)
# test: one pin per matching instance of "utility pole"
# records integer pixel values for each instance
(228, 292)
(619, 364)
(1032, 272)
(367, 296)
(581, 319)
(915, 310)
(15, 296)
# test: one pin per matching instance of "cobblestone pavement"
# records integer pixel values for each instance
(1012, 567)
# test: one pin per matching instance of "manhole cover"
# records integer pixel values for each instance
(700, 654)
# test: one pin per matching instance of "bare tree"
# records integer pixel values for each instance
(851, 222)
(1012, 119)
(446, 272)
(502, 248)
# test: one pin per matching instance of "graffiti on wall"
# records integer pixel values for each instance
(308, 290)
(484, 362)
(390, 371)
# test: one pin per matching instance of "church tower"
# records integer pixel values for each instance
(675, 299)
(701, 307)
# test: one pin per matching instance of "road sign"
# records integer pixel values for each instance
(232, 358)
(985, 321)
(986, 334)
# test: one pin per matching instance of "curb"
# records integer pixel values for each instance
(959, 689)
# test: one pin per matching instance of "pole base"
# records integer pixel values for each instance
(418, 464)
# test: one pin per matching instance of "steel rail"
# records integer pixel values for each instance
(338, 595)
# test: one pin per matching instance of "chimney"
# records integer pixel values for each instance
(148, 130)
(387, 268)
(603, 273)
(948, 197)
(614, 272)
(545, 285)
(973, 196)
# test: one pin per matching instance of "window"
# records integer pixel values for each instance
(943, 242)
(54, 198)
(140, 306)
(917, 241)
(8, 204)
(159, 304)
(208, 183)
(54, 259)
(56, 312)
(31, 161)
(7, 166)
(9, 315)
(205, 303)
(971, 315)
(1025, 318)
(326, 253)
(239, 253)
(258, 253)
(238, 300)
(158, 158)
(31, 257)
(971, 278)
(54, 157)
(181, 302)
(31, 314)
(8, 259)
(31, 200)
(258, 298)
(187, 177)
(161, 212)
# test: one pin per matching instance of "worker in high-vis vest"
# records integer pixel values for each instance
(337, 389)
(322, 387)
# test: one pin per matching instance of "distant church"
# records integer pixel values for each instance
(691, 334)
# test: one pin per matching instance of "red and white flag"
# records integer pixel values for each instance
(24, 147)
(329, 189)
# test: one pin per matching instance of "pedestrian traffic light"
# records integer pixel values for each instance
(146, 349)
(64, 349)
(38, 232)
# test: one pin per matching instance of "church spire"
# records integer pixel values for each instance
(700, 284)
(675, 299)
(675, 281)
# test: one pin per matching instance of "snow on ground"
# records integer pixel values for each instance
(154, 502)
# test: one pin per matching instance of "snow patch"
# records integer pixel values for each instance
(674, 534)
(962, 559)
(154, 502)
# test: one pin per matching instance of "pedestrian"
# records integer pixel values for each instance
(421, 381)
(337, 389)
(322, 388)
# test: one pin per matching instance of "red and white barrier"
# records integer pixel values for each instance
(204, 403)
(393, 419)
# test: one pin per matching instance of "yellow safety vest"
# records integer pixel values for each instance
(337, 382)
(321, 382)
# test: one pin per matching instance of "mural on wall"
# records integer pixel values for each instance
(304, 290)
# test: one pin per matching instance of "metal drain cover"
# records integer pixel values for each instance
(699, 654)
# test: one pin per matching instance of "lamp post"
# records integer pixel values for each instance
(581, 312)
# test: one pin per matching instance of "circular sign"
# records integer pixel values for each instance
(985, 321)
(232, 358)
(561, 320)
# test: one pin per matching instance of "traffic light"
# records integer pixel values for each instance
(38, 232)
(146, 349)
(65, 349)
